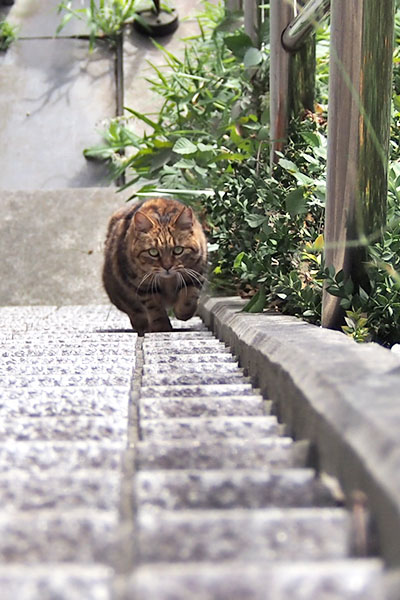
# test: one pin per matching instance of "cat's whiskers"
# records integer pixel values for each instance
(180, 283)
(144, 278)
(194, 276)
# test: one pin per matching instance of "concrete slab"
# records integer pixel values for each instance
(329, 390)
(53, 98)
(51, 246)
(40, 18)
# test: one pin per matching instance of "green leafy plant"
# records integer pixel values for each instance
(209, 144)
(103, 18)
(8, 34)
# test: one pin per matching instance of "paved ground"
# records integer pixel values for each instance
(55, 96)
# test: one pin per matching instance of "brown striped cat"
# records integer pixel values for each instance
(155, 259)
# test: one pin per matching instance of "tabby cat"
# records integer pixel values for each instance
(155, 259)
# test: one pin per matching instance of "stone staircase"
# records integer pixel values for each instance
(135, 468)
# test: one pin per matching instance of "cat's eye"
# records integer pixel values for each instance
(178, 250)
(153, 252)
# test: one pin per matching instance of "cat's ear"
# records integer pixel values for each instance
(185, 219)
(142, 222)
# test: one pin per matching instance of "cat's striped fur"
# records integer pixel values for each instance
(155, 259)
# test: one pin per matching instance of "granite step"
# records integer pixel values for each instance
(204, 406)
(177, 335)
(190, 357)
(220, 535)
(64, 402)
(63, 581)
(71, 428)
(66, 456)
(235, 488)
(25, 490)
(177, 378)
(322, 580)
(206, 346)
(232, 453)
(206, 428)
(183, 368)
(94, 351)
(182, 391)
(82, 536)
(80, 378)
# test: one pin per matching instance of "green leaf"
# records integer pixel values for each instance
(238, 260)
(303, 179)
(184, 146)
(143, 118)
(295, 202)
(311, 138)
(257, 303)
(238, 43)
(363, 295)
(252, 58)
(255, 220)
(288, 165)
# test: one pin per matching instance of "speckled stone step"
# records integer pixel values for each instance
(80, 536)
(93, 351)
(70, 429)
(179, 347)
(205, 428)
(222, 389)
(178, 378)
(80, 378)
(73, 456)
(61, 581)
(322, 580)
(205, 406)
(177, 359)
(221, 454)
(44, 365)
(57, 401)
(183, 368)
(251, 488)
(31, 490)
(219, 535)
(177, 335)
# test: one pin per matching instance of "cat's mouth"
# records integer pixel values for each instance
(167, 274)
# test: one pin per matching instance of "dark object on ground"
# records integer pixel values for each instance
(156, 22)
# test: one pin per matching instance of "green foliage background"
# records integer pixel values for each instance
(209, 146)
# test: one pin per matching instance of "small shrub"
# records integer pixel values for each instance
(8, 34)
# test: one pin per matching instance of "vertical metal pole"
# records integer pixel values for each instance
(358, 136)
(281, 13)
(251, 19)
(233, 5)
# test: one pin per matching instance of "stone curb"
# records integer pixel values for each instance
(342, 396)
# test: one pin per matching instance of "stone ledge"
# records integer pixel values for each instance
(342, 396)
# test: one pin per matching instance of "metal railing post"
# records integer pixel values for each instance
(251, 23)
(281, 14)
(292, 62)
(358, 136)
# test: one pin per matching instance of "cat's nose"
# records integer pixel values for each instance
(167, 265)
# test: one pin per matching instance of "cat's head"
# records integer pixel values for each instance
(167, 239)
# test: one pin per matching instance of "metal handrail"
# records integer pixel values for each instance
(304, 23)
